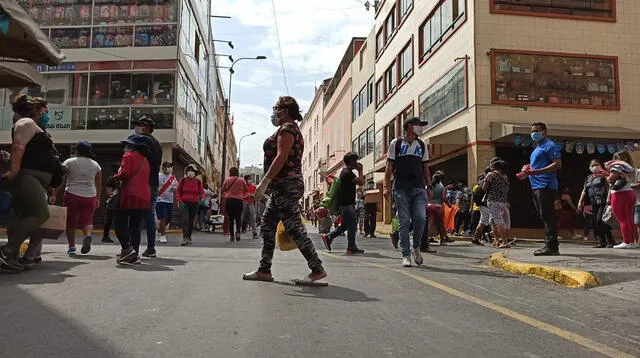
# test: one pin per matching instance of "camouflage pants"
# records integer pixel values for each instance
(284, 205)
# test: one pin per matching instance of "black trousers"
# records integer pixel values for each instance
(463, 219)
(111, 214)
(370, 214)
(601, 230)
(234, 211)
(543, 202)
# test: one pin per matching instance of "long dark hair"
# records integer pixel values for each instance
(84, 152)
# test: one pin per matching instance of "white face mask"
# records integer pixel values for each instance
(138, 130)
(275, 117)
(593, 168)
(191, 175)
(418, 130)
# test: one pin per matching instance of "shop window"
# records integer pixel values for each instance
(162, 116)
(142, 89)
(155, 35)
(108, 118)
(79, 119)
(71, 38)
(163, 89)
(443, 21)
(59, 13)
(446, 97)
(120, 92)
(80, 89)
(127, 11)
(581, 9)
(555, 80)
(99, 86)
(112, 36)
(58, 89)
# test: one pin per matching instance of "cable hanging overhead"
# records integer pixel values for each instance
(275, 22)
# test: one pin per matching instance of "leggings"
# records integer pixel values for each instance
(622, 204)
(189, 212)
(234, 211)
(284, 205)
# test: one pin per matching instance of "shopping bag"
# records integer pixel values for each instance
(608, 217)
(24, 247)
(55, 226)
(283, 239)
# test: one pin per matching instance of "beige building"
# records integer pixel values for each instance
(482, 71)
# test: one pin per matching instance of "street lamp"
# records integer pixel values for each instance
(240, 145)
(226, 119)
(223, 55)
(227, 42)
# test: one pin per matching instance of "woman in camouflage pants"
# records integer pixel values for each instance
(283, 177)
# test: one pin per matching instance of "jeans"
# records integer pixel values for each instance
(370, 215)
(463, 217)
(411, 205)
(543, 202)
(234, 211)
(349, 224)
(151, 219)
(249, 217)
(129, 228)
(202, 216)
(189, 212)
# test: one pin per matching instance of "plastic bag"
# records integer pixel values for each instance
(24, 247)
(284, 241)
(608, 217)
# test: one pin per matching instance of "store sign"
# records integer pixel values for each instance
(65, 67)
(60, 118)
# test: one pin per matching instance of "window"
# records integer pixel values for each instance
(380, 41)
(390, 79)
(390, 133)
(356, 108)
(370, 139)
(379, 150)
(370, 91)
(405, 6)
(390, 23)
(406, 62)
(363, 99)
(560, 80)
(582, 9)
(379, 92)
(362, 55)
(445, 19)
(446, 97)
(355, 145)
(362, 148)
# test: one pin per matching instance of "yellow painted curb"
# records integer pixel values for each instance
(561, 276)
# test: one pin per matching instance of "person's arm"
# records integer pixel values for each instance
(285, 143)
(388, 172)
(359, 180)
(179, 192)
(569, 201)
(54, 194)
(486, 182)
(98, 181)
(425, 167)
(23, 132)
(444, 198)
(613, 176)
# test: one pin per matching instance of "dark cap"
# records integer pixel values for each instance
(83, 145)
(167, 164)
(414, 121)
(137, 141)
(146, 121)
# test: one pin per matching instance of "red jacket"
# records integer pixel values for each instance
(189, 190)
(134, 174)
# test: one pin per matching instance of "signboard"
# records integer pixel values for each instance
(60, 118)
(65, 67)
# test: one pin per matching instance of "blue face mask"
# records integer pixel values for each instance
(537, 136)
(43, 122)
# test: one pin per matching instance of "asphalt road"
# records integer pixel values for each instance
(192, 302)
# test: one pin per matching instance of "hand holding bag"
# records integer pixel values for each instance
(55, 225)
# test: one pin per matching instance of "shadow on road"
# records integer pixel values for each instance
(156, 264)
(91, 257)
(47, 272)
(329, 293)
(465, 272)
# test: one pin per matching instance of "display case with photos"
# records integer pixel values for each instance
(558, 80)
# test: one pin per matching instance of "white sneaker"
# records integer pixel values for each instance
(586, 238)
(625, 246)
(163, 239)
(417, 256)
(633, 246)
(406, 261)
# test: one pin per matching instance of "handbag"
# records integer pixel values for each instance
(113, 202)
(608, 217)
(55, 225)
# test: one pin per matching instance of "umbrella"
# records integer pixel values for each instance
(19, 74)
(20, 37)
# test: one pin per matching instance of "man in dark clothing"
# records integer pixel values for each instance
(144, 125)
(370, 211)
(347, 204)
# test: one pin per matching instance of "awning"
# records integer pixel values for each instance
(16, 74)
(20, 37)
(502, 132)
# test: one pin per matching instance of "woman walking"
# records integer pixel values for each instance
(283, 177)
(596, 189)
(234, 191)
(496, 185)
(34, 168)
(82, 194)
(435, 208)
(623, 198)
(134, 196)
(190, 191)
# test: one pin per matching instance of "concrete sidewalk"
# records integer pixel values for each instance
(577, 266)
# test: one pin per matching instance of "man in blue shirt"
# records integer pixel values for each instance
(545, 161)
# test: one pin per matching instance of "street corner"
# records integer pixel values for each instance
(562, 276)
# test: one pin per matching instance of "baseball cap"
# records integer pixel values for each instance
(84, 145)
(146, 121)
(414, 121)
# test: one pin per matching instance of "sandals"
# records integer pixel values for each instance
(257, 276)
(320, 280)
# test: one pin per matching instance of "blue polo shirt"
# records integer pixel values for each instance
(544, 154)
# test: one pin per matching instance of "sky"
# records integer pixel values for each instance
(313, 35)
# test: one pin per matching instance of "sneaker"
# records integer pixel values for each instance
(27, 263)
(546, 251)
(189, 241)
(71, 251)
(626, 246)
(128, 257)
(355, 251)
(10, 262)
(238, 237)
(417, 257)
(373, 236)
(185, 241)
(326, 240)
(107, 240)
(149, 253)
(86, 245)
(406, 261)
(163, 239)
(37, 260)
